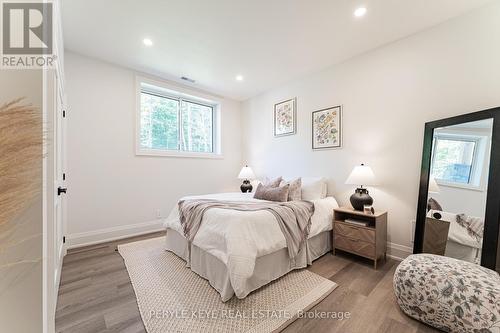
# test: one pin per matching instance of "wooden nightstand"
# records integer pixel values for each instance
(366, 241)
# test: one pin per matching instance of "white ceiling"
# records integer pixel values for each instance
(269, 42)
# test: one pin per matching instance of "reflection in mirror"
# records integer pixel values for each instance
(457, 190)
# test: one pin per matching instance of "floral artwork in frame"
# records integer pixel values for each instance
(327, 128)
(285, 118)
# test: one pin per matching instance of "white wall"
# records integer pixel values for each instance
(113, 192)
(461, 200)
(388, 94)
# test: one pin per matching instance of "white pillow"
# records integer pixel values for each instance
(255, 183)
(314, 188)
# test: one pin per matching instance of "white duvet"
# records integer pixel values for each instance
(238, 238)
(457, 233)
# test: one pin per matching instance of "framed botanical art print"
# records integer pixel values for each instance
(327, 128)
(285, 118)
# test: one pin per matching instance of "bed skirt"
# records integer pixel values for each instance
(463, 252)
(267, 268)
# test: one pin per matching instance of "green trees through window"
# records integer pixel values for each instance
(453, 160)
(159, 122)
(175, 124)
(197, 123)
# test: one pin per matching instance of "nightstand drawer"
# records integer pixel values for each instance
(360, 233)
(356, 246)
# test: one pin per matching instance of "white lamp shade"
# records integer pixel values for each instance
(246, 173)
(433, 185)
(361, 175)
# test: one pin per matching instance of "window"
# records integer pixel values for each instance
(175, 124)
(456, 161)
(159, 122)
(197, 127)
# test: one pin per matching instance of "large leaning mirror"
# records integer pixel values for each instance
(459, 199)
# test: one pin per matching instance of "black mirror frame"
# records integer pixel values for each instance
(492, 215)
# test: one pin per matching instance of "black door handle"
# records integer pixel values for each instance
(61, 190)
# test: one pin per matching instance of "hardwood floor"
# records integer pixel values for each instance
(96, 295)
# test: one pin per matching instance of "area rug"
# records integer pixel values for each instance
(172, 298)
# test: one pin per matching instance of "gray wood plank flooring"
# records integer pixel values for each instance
(96, 295)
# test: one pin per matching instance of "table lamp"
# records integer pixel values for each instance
(246, 174)
(361, 175)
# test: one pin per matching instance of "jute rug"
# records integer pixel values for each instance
(172, 298)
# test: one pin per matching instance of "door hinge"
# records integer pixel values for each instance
(64, 113)
(64, 239)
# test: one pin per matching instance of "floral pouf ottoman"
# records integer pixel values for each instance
(449, 294)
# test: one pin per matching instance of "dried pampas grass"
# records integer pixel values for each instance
(20, 157)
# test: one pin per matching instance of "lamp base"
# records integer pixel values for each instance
(246, 186)
(361, 198)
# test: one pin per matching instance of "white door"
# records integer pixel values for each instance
(54, 193)
(59, 180)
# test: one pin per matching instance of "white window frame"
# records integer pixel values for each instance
(178, 92)
(477, 159)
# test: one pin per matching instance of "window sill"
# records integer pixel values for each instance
(464, 187)
(178, 154)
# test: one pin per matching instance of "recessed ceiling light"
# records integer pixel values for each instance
(147, 42)
(239, 77)
(359, 12)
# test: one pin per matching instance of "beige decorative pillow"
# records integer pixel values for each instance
(473, 225)
(295, 190)
(274, 183)
(279, 194)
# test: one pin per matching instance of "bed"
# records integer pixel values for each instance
(460, 244)
(240, 251)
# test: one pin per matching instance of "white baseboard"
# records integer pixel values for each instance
(109, 234)
(397, 251)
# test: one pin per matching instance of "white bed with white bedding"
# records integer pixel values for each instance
(240, 251)
(460, 245)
